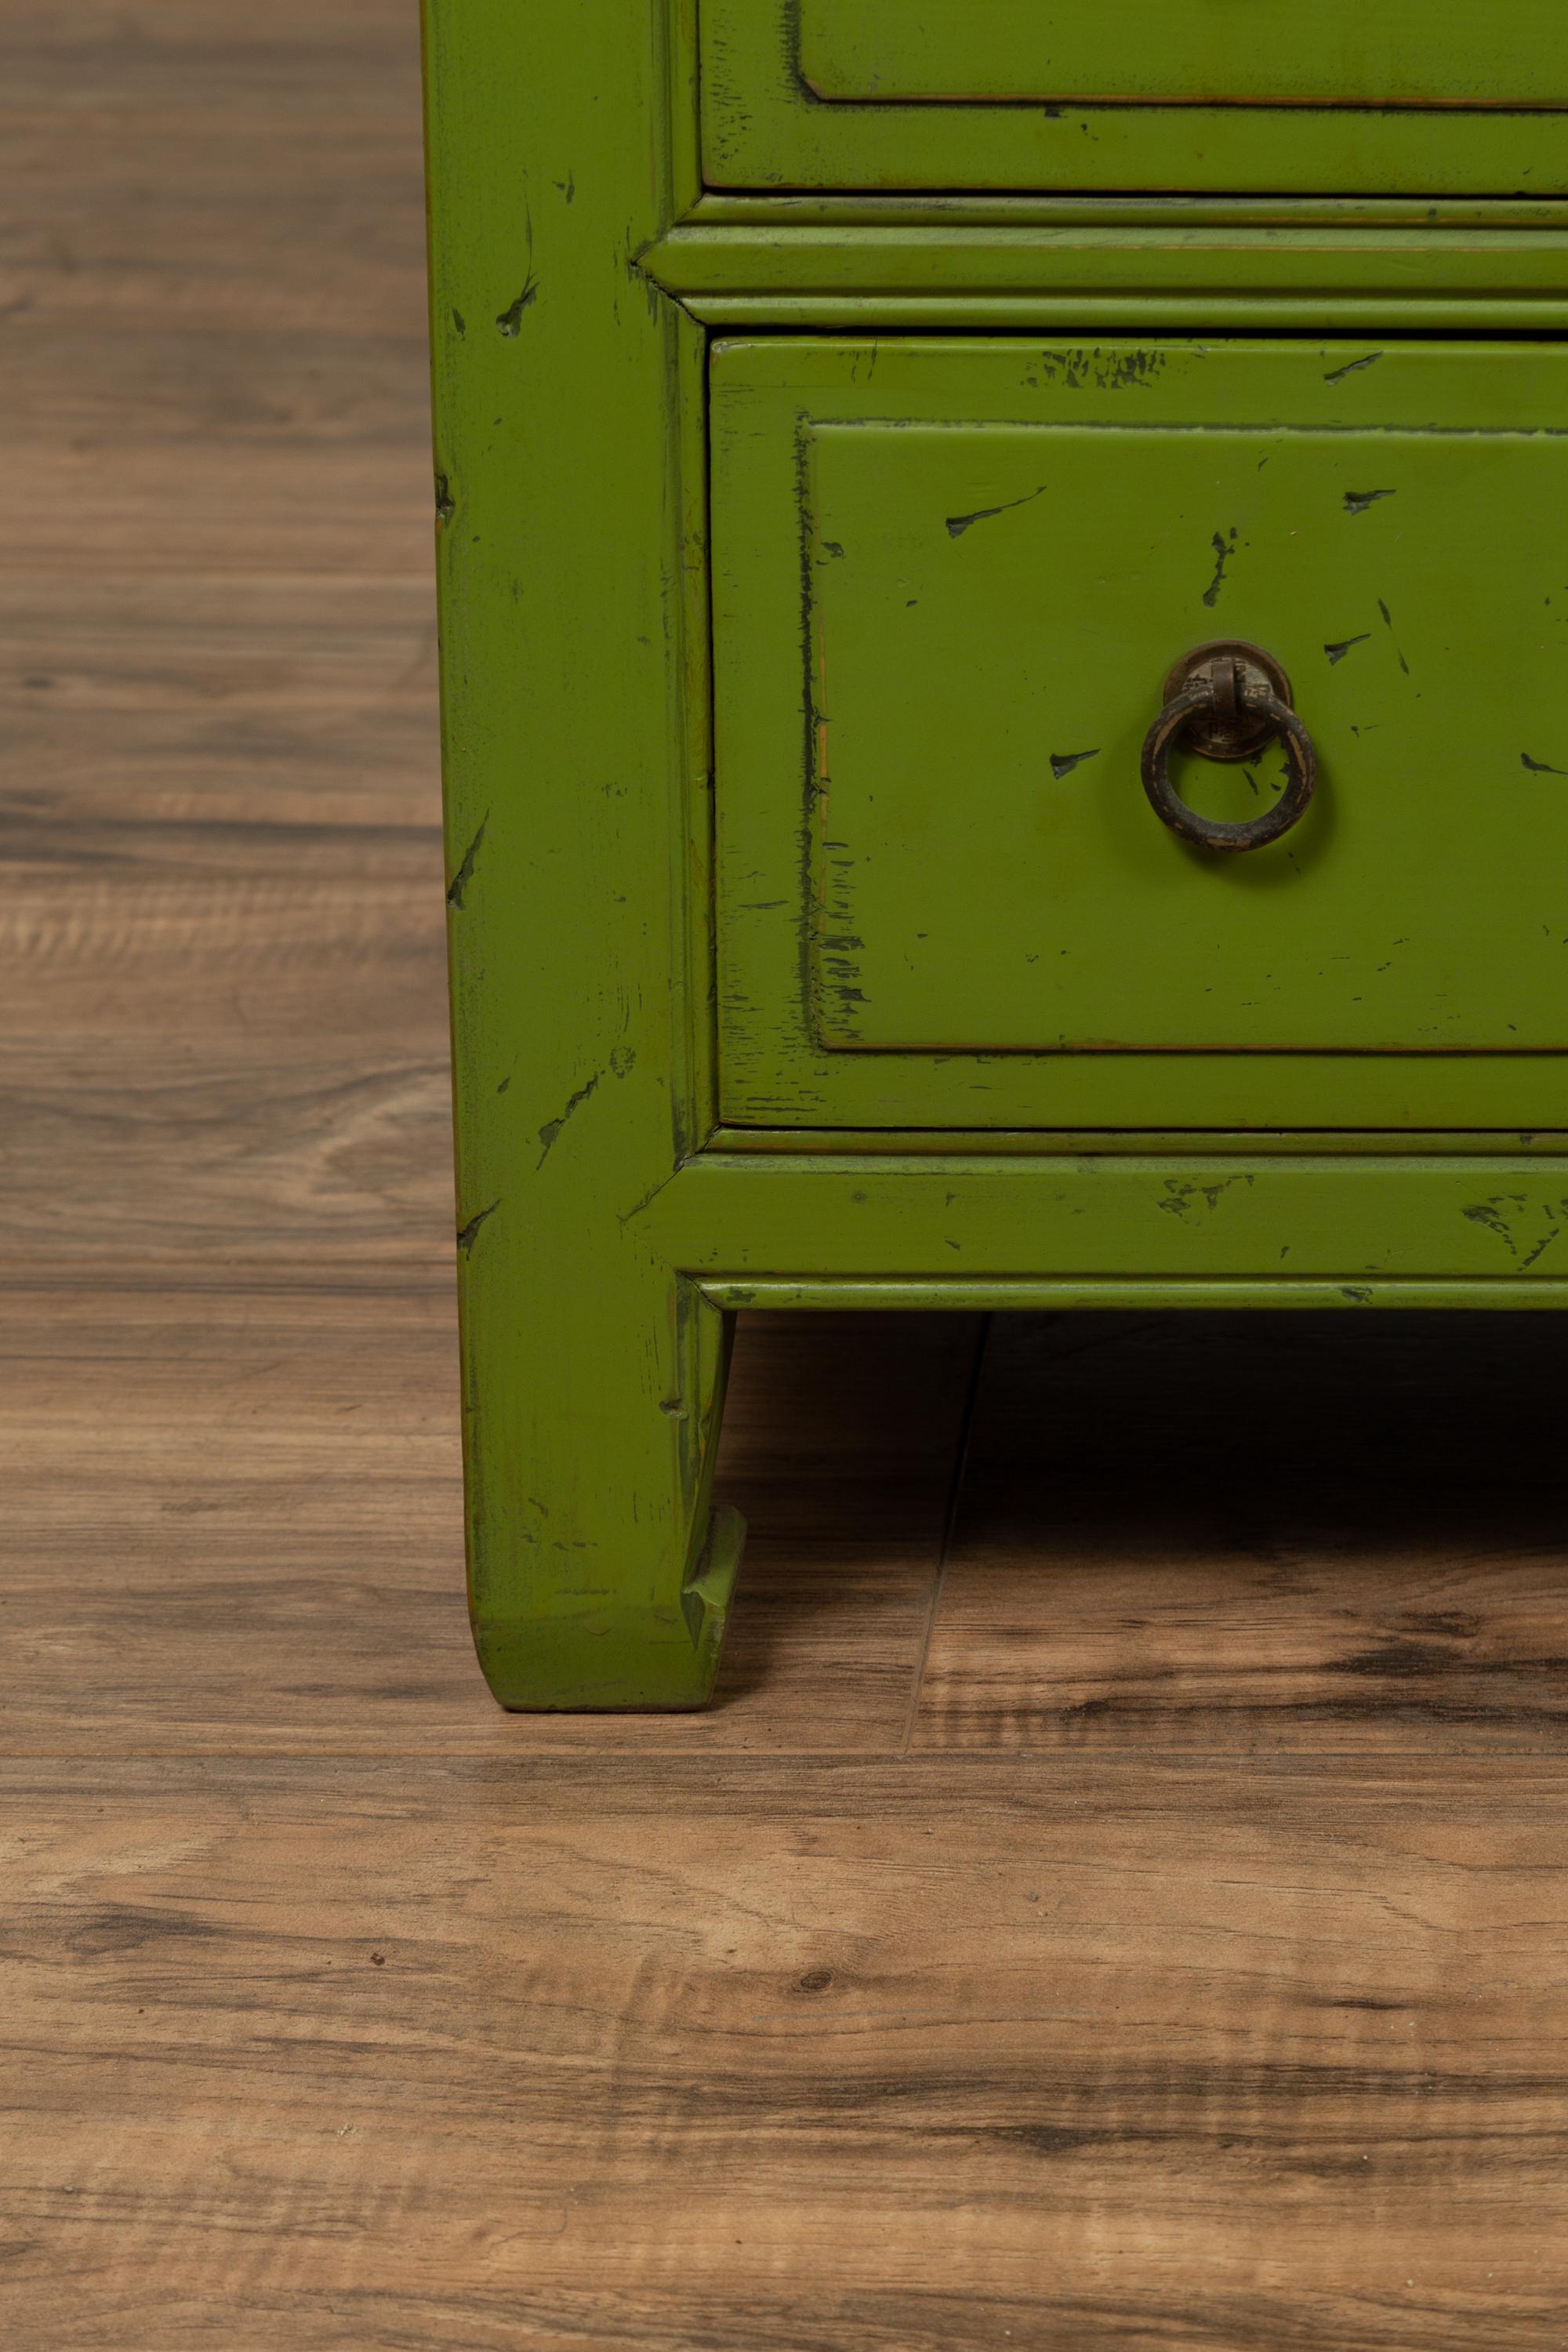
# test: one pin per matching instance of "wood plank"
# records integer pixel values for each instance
(233, 1522)
(222, 944)
(314, 509)
(197, 1167)
(1242, 1534)
(221, 926)
(1076, 2053)
(235, 694)
(212, 245)
(334, 59)
(216, 780)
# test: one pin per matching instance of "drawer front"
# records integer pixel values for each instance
(1345, 97)
(951, 582)
(1335, 53)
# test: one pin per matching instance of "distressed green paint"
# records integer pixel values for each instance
(1048, 1296)
(1227, 274)
(1006, 544)
(764, 126)
(1147, 313)
(568, 418)
(995, 609)
(943, 208)
(608, 1226)
(777, 1077)
(1097, 1217)
(1379, 53)
(1145, 1143)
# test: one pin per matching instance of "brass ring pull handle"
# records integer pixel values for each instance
(1227, 700)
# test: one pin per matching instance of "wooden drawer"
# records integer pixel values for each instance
(1346, 96)
(950, 580)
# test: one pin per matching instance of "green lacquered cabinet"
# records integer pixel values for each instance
(845, 467)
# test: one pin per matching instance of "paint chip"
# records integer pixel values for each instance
(1224, 550)
(958, 524)
(1064, 762)
(1338, 375)
(510, 319)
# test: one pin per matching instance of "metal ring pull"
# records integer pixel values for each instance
(1227, 700)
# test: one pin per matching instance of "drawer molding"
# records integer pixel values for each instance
(1048, 1297)
(1449, 1227)
(764, 126)
(1394, 57)
(934, 208)
(1314, 278)
(1187, 1144)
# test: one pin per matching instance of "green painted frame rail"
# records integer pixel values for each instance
(606, 1228)
(766, 126)
(1228, 276)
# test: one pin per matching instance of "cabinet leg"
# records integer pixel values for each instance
(600, 1576)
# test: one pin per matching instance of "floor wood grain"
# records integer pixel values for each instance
(1124, 1915)
(1237, 1533)
(237, 1528)
(1050, 2054)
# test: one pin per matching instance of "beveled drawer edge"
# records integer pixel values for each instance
(1429, 280)
(1057, 1295)
(1189, 1142)
(726, 209)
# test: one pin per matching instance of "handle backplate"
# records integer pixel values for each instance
(1225, 701)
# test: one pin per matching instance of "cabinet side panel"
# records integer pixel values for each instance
(572, 575)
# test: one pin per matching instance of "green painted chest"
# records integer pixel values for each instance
(1005, 639)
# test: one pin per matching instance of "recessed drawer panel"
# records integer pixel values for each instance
(953, 583)
(1270, 53)
(1345, 97)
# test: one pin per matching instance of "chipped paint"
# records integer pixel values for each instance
(1351, 367)
(1224, 545)
(1064, 762)
(958, 524)
(509, 321)
(551, 1131)
(469, 1234)
(458, 889)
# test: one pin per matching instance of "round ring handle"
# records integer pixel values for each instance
(1229, 699)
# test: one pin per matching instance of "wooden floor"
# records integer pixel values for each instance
(1124, 1905)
